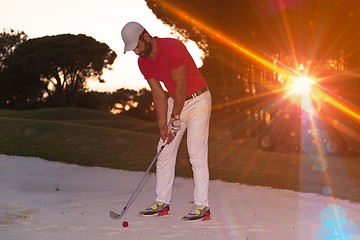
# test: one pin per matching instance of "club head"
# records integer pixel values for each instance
(114, 215)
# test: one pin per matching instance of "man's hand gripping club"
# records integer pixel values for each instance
(173, 126)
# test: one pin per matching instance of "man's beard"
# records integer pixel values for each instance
(147, 50)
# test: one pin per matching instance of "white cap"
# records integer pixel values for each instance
(130, 34)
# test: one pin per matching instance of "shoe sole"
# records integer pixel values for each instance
(205, 218)
(155, 215)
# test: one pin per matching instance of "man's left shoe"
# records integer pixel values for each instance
(157, 209)
(198, 213)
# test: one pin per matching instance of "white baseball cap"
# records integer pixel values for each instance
(130, 34)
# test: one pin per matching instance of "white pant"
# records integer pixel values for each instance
(195, 117)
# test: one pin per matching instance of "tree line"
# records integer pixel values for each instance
(321, 36)
(52, 71)
(286, 33)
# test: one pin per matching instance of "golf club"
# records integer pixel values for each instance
(118, 216)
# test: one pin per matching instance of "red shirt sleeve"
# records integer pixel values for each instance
(177, 55)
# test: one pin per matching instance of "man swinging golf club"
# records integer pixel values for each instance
(188, 107)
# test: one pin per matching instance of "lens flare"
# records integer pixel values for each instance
(300, 85)
(326, 191)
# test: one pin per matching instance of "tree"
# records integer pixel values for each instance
(145, 107)
(95, 100)
(63, 63)
(138, 104)
(8, 42)
(310, 29)
(20, 83)
(266, 25)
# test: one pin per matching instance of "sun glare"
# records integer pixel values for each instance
(300, 85)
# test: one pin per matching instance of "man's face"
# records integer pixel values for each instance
(143, 48)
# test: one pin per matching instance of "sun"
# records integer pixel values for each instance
(300, 85)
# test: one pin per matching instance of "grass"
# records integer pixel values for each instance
(77, 136)
(96, 138)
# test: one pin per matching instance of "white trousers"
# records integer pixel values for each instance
(195, 117)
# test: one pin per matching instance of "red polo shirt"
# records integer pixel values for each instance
(172, 54)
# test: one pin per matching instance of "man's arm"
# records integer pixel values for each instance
(160, 102)
(179, 77)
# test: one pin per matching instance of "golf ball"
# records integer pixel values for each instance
(125, 224)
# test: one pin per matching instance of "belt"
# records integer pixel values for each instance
(198, 93)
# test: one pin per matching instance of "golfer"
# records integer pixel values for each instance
(167, 60)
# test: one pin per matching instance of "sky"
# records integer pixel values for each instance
(43, 200)
(102, 20)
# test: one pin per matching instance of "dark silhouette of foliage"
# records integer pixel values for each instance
(18, 91)
(62, 63)
(139, 103)
(95, 100)
(290, 30)
(145, 107)
(8, 42)
(266, 25)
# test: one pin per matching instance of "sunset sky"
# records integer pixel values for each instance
(102, 20)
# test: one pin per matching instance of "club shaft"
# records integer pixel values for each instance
(147, 171)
